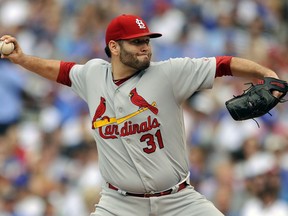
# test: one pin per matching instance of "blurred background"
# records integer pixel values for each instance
(48, 158)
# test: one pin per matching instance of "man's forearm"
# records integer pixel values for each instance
(46, 68)
(246, 68)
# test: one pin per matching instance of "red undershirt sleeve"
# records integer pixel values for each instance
(223, 66)
(63, 76)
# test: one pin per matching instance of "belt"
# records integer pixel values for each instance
(179, 187)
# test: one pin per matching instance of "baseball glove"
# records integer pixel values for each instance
(257, 100)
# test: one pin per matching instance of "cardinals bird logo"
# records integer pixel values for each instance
(100, 110)
(139, 101)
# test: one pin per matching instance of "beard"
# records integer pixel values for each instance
(131, 60)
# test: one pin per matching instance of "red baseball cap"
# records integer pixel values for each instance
(127, 27)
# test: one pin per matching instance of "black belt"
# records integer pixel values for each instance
(147, 195)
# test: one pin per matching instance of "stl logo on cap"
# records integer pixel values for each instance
(126, 27)
(140, 24)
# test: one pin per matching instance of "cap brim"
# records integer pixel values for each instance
(151, 35)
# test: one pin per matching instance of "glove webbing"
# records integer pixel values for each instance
(273, 84)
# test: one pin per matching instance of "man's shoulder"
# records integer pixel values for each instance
(159, 63)
(97, 62)
(93, 66)
(169, 61)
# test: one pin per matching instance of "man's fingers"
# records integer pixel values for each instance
(8, 39)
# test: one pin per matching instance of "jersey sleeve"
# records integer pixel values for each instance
(223, 66)
(73, 75)
(83, 77)
(63, 76)
(189, 75)
(78, 80)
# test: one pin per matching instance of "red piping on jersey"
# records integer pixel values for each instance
(63, 76)
(120, 81)
(223, 66)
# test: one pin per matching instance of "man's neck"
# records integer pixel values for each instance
(122, 72)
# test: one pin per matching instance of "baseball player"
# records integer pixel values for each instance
(136, 117)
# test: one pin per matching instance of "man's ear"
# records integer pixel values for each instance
(114, 47)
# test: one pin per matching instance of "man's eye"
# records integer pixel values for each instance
(147, 41)
(136, 41)
(140, 42)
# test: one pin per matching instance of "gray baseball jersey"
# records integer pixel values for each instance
(138, 126)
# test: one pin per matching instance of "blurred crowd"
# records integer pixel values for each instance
(48, 158)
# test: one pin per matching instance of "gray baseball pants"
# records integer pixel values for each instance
(186, 202)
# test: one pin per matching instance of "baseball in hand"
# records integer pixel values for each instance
(6, 48)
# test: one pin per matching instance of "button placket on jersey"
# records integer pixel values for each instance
(128, 140)
(118, 106)
(120, 112)
(120, 109)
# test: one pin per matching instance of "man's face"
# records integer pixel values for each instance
(136, 53)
